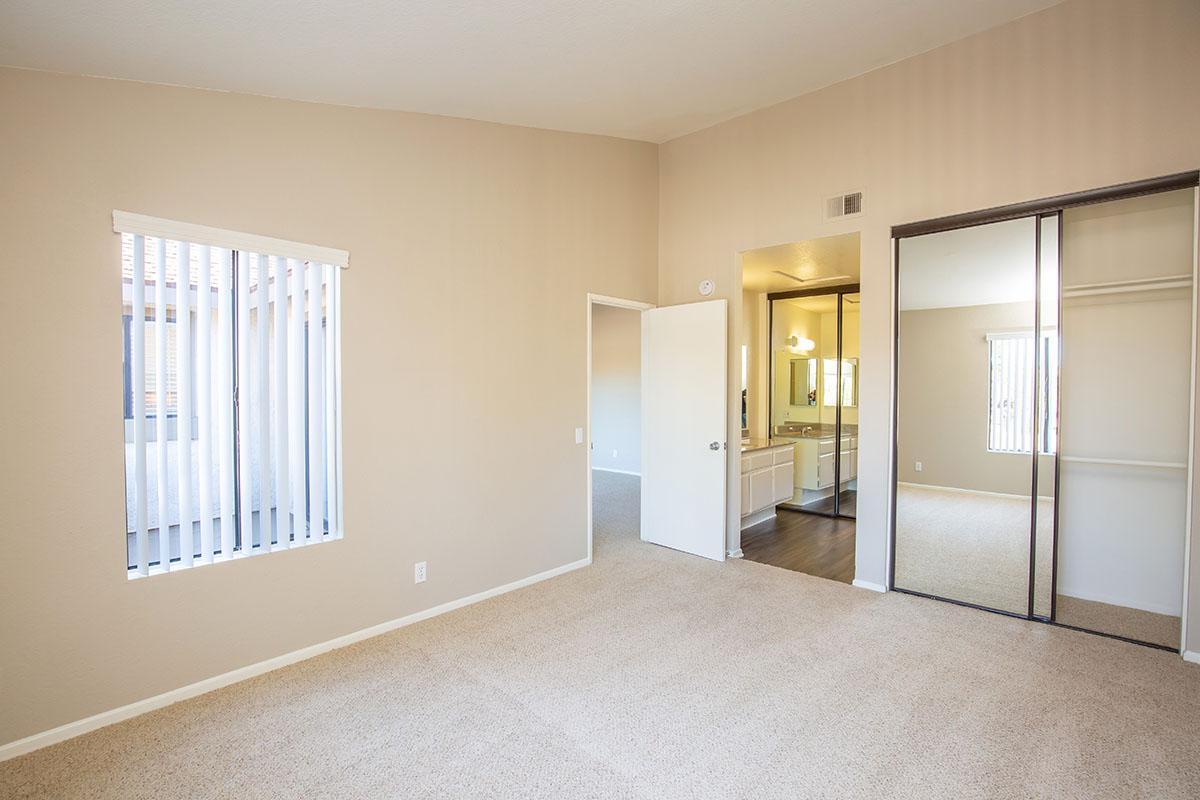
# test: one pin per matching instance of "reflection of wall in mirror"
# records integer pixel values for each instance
(789, 320)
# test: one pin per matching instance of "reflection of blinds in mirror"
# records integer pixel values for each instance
(1010, 393)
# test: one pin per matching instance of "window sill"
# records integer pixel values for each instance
(178, 566)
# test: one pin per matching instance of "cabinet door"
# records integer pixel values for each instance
(825, 470)
(783, 477)
(745, 495)
(762, 490)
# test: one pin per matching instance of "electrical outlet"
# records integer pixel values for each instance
(419, 572)
(614, 453)
(579, 436)
(919, 466)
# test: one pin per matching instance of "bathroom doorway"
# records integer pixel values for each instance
(801, 377)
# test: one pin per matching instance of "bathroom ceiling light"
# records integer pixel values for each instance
(800, 343)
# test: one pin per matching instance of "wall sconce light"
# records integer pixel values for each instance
(799, 343)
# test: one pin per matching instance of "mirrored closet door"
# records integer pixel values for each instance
(1044, 368)
(814, 377)
(968, 414)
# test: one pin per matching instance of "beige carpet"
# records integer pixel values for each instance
(654, 674)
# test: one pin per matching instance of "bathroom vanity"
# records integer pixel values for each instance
(768, 477)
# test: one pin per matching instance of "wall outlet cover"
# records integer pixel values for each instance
(919, 466)
(419, 572)
(579, 436)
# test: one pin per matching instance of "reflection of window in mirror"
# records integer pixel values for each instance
(1010, 392)
(849, 383)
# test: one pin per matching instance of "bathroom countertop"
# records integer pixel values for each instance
(750, 445)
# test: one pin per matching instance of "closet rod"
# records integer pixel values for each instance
(1121, 462)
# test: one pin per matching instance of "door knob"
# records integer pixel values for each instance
(714, 445)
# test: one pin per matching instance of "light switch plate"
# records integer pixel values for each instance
(579, 436)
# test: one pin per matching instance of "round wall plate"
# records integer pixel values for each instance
(706, 287)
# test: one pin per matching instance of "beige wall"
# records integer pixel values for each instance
(1085, 94)
(616, 388)
(472, 249)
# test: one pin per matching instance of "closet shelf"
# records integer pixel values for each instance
(1134, 285)
(1122, 462)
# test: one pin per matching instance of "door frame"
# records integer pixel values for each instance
(616, 302)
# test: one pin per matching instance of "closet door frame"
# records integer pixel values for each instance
(1040, 210)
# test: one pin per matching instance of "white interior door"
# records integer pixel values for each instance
(683, 427)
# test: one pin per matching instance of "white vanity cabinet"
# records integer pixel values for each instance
(768, 476)
(814, 461)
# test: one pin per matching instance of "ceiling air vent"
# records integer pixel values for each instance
(843, 205)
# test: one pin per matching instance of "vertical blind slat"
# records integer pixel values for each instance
(160, 400)
(316, 416)
(242, 406)
(283, 497)
(224, 399)
(329, 275)
(263, 420)
(336, 326)
(137, 374)
(183, 382)
(204, 401)
(296, 397)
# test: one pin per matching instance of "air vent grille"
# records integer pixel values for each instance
(843, 205)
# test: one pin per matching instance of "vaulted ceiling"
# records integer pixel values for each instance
(640, 69)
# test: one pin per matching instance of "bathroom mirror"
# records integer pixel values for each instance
(803, 382)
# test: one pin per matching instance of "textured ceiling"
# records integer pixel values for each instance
(828, 261)
(630, 68)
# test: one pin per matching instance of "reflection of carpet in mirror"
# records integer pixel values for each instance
(972, 546)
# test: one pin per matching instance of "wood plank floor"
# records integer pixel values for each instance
(824, 505)
(805, 543)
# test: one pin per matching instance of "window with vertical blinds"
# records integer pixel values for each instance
(232, 376)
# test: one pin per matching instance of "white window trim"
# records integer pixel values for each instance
(129, 222)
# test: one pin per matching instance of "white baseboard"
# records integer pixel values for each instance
(959, 490)
(1192, 656)
(762, 515)
(874, 587)
(618, 471)
(73, 729)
